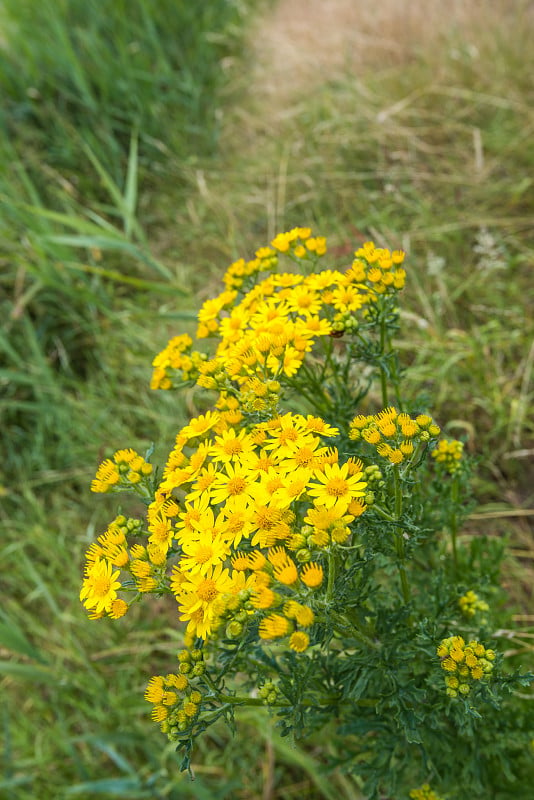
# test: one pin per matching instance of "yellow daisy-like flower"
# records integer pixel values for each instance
(100, 586)
(203, 554)
(336, 487)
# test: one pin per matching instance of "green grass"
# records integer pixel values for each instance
(109, 214)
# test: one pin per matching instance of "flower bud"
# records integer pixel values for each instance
(234, 629)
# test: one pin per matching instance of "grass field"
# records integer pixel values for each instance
(124, 201)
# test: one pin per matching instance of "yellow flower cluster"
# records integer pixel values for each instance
(424, 793)
(112, 553)
(267, 335)
(465, 664)
(265, 260)
(126, 469)
(176, 364)
(393, 434)
(237, 529)
(300, 243)
(448, 454)
(378, 268)
(176, 700)
(470, 603)
(266, 322)
(245, 497)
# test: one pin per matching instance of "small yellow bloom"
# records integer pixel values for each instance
(312, 574)
(299, 641)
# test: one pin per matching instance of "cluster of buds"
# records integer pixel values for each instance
(258, 396)
(300, 243)
(392, 433)
(126, 468)
(176, 364)
(448, 454)
(269, 692)
(465, 664)
(470, 603)
(175, 699)
(379, 268)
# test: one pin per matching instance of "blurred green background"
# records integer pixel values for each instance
(143, 147)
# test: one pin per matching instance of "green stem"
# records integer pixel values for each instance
(331, 576)
(383, 513)
(398, 492)
(405, 586)
(383, 375)
(327, 700)
(453, 523)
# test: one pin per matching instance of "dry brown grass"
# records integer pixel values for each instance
(300, 44)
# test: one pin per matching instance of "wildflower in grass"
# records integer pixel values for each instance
(175, 363)
(264, 597)
(234, 486)
(107, 476)
(286, 571)
(257, 526)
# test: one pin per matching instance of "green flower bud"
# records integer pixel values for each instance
(234, 629)
(197, 655)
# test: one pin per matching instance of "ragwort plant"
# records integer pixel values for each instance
(307, 527)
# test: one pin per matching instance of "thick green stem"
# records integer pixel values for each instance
(331, 576)
(405, 586)
(398, 492)
(383, 374)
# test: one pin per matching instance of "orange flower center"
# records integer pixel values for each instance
(207, 590)
(337, 487)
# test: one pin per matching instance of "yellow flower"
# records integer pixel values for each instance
(234, 486)
(299, 641)
(100, 586)
(273, 627)
(312, 574)
(336, 487)
(203, 554)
